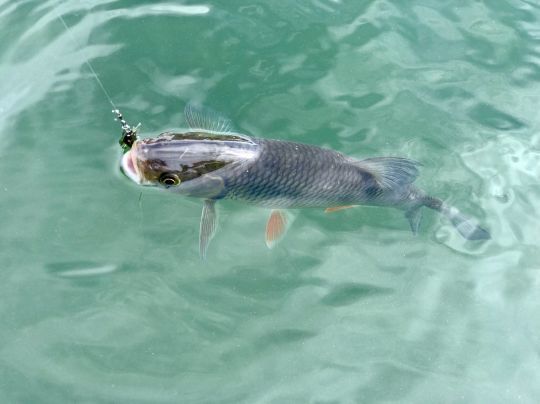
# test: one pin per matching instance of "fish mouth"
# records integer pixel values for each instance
(129, 165)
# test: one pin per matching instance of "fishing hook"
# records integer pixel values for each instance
(129, 135)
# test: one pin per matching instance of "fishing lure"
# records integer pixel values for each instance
(129, 135)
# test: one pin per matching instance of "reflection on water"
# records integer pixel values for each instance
(103, 295)
(79, 269)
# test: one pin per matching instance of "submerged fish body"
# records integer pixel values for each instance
(211, 162)
(271, 173)
(285, 174)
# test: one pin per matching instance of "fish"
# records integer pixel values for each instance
(212, 161)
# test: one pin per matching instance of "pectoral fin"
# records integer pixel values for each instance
(276, 227)
(208, 226)
(336, 208)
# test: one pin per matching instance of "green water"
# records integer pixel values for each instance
(102, 295)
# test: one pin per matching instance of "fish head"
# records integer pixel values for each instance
(185, 162)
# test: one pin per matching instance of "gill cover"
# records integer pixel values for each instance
(189, 162)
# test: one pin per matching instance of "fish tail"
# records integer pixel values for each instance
(467, 226)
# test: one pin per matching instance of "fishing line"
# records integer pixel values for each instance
(129, 134)
(87, 62)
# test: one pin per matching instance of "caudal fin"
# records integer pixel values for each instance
(467, 226)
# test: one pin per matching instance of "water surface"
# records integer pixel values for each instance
(103, 296)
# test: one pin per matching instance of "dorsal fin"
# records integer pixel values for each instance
(200, 117)
(390, 172)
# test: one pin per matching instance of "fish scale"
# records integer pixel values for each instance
(290, 175)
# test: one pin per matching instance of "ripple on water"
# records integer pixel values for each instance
(80, 269)
(350, 293)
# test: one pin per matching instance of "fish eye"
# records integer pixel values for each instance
(169, 179)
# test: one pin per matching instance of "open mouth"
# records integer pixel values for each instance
(129, 168)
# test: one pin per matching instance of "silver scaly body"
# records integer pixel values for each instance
(211, 162)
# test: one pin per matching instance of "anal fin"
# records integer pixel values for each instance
(208, 226)
(337, 208)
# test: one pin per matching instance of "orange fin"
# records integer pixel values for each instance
(276, 227)
(336, 208)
